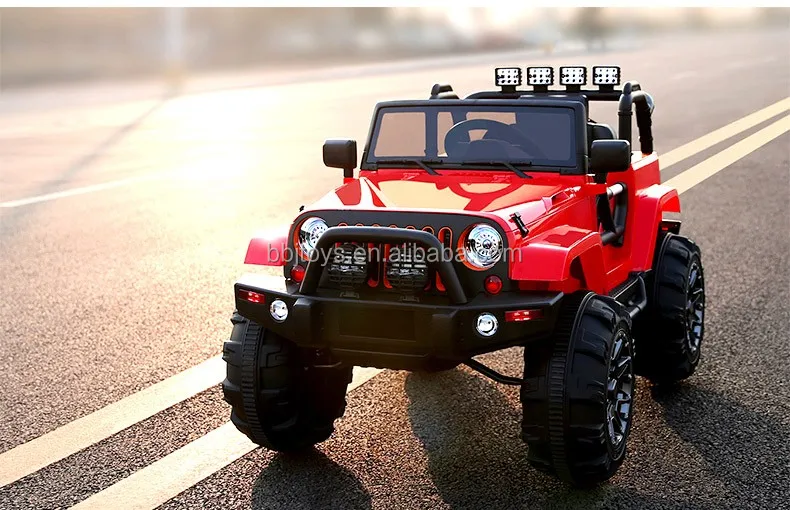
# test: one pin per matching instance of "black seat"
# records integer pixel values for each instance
(597, 131)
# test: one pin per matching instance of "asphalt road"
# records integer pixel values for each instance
(126, 281)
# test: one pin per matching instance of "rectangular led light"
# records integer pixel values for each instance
(523, 315)
(573, 75)
(606, 75)
(507, 76)
(540, 76)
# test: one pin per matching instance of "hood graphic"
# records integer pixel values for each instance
(474, 193)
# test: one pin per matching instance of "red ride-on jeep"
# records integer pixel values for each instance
(507, 218)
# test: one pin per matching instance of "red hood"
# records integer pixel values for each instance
(501, 193)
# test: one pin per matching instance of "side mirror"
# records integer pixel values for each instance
(610, 156)
(341, 153)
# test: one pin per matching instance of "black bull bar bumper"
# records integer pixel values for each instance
(384, 333)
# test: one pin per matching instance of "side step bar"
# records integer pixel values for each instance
(493, 374)
(632, 294)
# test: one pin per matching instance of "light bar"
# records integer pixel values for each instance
(606, 75)
(573, 75)
(507, 76)
(537, 76)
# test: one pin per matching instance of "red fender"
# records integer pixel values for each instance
(269, 248)
(549, 258)
(651, 204)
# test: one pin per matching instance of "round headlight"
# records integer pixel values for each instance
(483, 246)
(309, 232)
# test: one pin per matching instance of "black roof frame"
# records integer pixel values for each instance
(631, 95)
(576, 103)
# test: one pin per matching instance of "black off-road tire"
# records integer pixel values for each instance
(669, 334)
(566, 396)
(277, 400)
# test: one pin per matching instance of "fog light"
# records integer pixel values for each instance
(279, 310)
(486, 324)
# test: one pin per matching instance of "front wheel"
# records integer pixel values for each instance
(277, 400)
(578, 392)
(670, 335)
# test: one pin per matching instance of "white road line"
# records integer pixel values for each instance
(698, 173)
(667, 159)
(714, 137)
(67, 440)
(79, 191)
(88, 430)
(83, 432)
(154, 485)
(186, 466)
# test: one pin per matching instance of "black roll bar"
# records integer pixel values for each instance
(613, 222)
(631, 95)
(634, 95)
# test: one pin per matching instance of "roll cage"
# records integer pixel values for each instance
(631, 97)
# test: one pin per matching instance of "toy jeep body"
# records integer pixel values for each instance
(507, 218)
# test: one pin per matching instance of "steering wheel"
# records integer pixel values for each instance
(496, 130)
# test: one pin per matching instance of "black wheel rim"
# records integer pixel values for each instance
(695, 310)
(619, 394)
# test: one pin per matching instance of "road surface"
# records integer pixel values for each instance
(124, 223)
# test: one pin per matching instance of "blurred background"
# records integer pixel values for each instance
(56, 45)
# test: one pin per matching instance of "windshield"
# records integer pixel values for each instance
(465, 134)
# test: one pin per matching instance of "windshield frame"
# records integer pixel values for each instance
(579, 126)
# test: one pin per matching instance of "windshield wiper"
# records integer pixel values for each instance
(510, 165)
(422, 163)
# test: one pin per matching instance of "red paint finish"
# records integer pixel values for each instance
(549, 257)
(268, 248)
(563, 249)
(651, 204)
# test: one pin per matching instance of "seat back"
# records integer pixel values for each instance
(597, 131)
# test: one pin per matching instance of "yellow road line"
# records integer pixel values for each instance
(698, 173)
(153, 485)
(83, 432)
(166, 478)
(174, 473)
(721, 134)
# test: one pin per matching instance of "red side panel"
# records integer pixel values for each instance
(268, 248)
(549, 258)
(651, 203)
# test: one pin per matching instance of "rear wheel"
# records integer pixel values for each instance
(277, 400)
(670, 334)
(578, 392)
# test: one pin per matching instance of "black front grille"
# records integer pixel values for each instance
(407, 269)
(348, 266)
(402, 268)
